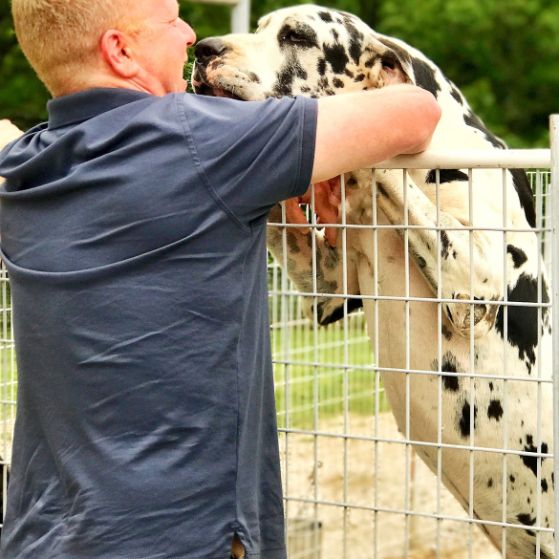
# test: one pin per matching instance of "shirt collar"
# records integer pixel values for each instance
(77, 107)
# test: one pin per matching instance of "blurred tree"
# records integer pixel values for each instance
(22, 96)
(501, 54)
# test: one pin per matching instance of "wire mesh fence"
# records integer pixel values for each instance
(355, 477)
(371, 485)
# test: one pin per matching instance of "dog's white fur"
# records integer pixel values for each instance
(309, 50)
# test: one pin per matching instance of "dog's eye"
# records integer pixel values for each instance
(294, 36)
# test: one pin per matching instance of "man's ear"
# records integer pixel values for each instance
(118, 54)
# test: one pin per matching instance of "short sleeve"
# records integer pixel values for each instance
(252, 154)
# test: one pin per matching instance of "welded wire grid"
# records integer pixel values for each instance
(352, 482)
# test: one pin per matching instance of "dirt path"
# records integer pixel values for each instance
(363, 533)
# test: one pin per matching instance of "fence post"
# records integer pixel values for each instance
(554, 133)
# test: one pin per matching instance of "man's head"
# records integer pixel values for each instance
(77, 44)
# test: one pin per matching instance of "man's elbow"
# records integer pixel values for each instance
(423, 121)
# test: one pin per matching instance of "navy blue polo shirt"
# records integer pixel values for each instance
(133, 228)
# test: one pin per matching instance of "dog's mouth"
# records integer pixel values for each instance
(204, 89)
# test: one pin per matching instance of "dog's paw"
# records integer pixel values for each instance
(460, 315)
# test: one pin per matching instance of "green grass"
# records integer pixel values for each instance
(318, 376)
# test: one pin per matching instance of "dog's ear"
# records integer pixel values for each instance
(396, 63)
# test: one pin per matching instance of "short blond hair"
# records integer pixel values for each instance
(60, 38)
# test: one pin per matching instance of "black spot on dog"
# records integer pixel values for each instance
(518, 255)
(348, 73)
(464, 422)
(544, 485)
(336, 82)
(445, 175)
(531, 462)
(355, 50)
(337, 57)
(325, 16)
(285, 77)
(449, 365)
(335, 34)
(455, 93)
(305, 89)
(527, 520)
(495, 410)
(491, 386)
(355, 40)
(522, 187)
(446, 332)
(512, 478)
(321, 66)
(359, 77)
(490, 482)
(445, 244)
(522, 331)
(474, 121)
(425, 76)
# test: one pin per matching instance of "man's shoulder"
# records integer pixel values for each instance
(219, 108)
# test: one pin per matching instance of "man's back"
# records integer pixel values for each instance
(145, 407)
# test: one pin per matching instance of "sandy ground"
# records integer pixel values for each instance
(353, 533)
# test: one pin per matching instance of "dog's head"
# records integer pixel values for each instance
(304, 50)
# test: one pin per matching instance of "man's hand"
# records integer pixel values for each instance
(327, 198)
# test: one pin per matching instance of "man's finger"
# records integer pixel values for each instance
(294, 214)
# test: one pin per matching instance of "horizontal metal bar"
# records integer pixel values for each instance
(407, 512)
(374, 368)
(410, 298)
(403, 441)
(472, 159)
(408, 226)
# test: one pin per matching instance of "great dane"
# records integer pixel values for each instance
(474, 355)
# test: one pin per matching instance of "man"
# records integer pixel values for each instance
(133, 228)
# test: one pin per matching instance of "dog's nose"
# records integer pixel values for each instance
(209, 48)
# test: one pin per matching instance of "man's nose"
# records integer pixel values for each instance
(209, 48)
(190, 34)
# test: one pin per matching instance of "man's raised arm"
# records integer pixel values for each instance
(360, 129)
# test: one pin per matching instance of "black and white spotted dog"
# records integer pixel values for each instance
(488, 353)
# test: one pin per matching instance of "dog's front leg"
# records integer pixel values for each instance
(315, 268)
(462, 266)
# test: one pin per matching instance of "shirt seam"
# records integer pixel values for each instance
(237, 376)
(187, 132)
(301, 149)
